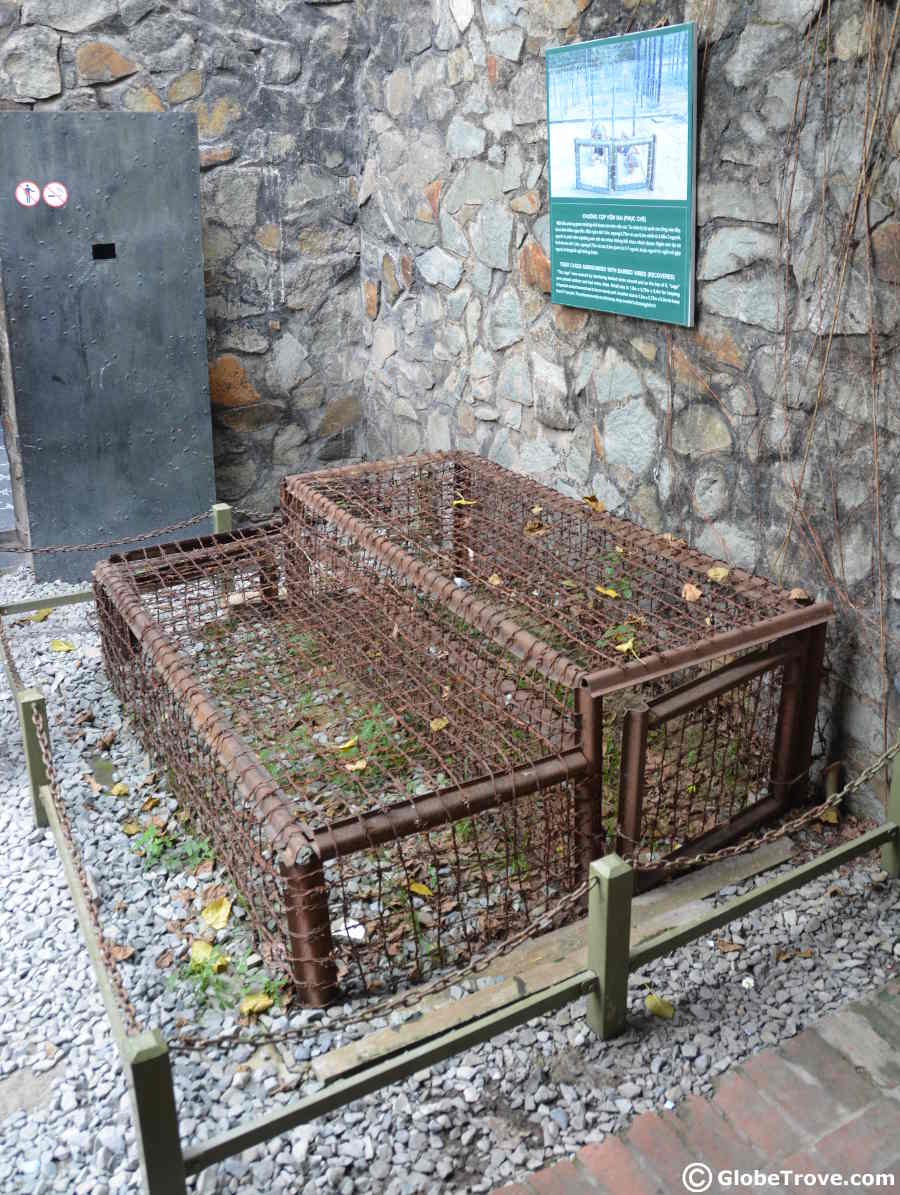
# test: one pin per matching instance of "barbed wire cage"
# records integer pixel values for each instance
(410, 712)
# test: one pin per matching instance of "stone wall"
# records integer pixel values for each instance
(375, 197)
(273, 86)
(720, 433)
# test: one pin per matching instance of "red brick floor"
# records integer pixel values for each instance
(825, 1102)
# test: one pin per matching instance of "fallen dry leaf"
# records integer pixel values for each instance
(420, 889)
(567, 584)
(119, 790)
(217, 912)
(61, 645)
(254, 1004)
(535, 527)
(120, 953)
(40, 615)
(606, 591)
(658, 1007)
(798, 595)
(626, 647)
(495, 579)
(599, 450)
(347, 744)
(131, 828)
(717, 573)
(358, 765)
(201, 952)
(829, 816)
(150, 803)
(594, 503)
(536, 510)
(164, 960)
(727, 947)
(691, 593)
(465, 501)
(437, 724)
(94, 786)
(106, 741)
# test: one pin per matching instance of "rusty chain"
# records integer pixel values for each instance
(188, 1043)
(252, 515)
(127, 1009)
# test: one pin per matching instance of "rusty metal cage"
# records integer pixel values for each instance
(410, 713)
(726, 665)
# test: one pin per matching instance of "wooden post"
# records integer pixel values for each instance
(29, 702)
(146, 1061)
(221, 517)
(890, 852)
(609, 944)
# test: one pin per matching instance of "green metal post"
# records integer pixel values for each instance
(30, 701)
(146, 1061)
(890, 852)
(609, 943)
(221, 517)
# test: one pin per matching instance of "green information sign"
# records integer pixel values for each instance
(621, 119)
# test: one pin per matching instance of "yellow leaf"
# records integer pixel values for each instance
(255, 1003)
(119, 790)
(594, 503)
(717, 573)
(420, 889)
(535, 527)
(131, 828)
(217, 912)
(437, 724)
(799, 595)
(495, 579)
(40, 615)
(567, 584)
(691, 593)
(200, 952)
(536, 510)
(465, 501)
(626, 647)
(149, 804)
(358, 765)
(347, 744)
(658, 1007)
(61, 645)
(605, 591)
(830, 816)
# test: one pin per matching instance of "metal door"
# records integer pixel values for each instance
(102, 274)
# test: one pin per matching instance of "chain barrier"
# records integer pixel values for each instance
(110, 543)
(127, 1009)
(188, 1043)
(254, 516)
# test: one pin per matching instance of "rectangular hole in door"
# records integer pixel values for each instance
(103, 250)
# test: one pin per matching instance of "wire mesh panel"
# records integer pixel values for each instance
(415, 771)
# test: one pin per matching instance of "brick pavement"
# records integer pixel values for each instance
(824, 1102)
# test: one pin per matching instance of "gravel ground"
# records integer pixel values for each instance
(516, 1104)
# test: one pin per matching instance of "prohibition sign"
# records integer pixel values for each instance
(28, 194)
(56, 195)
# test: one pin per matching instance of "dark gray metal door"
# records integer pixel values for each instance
(103, 288)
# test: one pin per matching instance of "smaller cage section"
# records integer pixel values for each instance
(619, 616)
(390, 788)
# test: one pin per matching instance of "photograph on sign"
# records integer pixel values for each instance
(28, 193)
(56, 195)
(621, 128)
